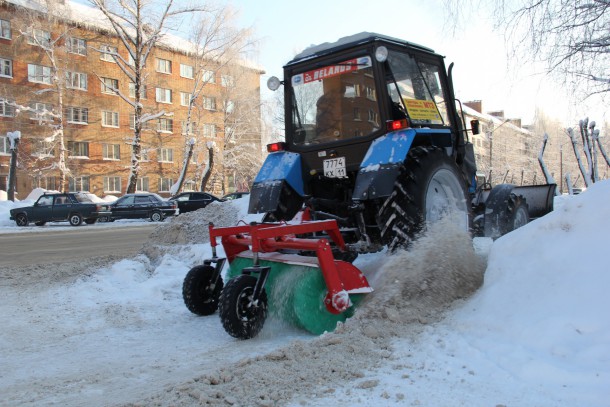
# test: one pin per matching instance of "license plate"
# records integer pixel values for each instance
(335, 168)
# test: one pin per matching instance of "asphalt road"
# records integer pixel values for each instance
(20, 249)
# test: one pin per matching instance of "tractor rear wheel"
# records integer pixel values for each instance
(199, 292)
(241, 316)
(429, 187)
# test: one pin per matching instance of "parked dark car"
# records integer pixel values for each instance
(191, 201)
(73, 207)
(235, 195)
(140, 206)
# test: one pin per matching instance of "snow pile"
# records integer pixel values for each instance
(412, 288)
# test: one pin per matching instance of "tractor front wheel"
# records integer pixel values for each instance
(242, 316)
(429, 187)
(200, 292)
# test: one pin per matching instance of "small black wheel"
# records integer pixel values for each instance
(21, 219)
(199, 292)
(242, 317)
(90, 221)
(41, 223)
(156, 216)
(75, 219)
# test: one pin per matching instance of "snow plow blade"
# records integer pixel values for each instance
(539, 198)
(267, 275)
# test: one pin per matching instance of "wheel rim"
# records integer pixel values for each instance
(74, 220)
(22, 220)
(521, 218)
(156, 216)
(246, 311)
(444, 196)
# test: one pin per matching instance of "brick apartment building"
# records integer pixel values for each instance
(98, 123)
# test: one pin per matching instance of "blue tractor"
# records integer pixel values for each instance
(375, 148)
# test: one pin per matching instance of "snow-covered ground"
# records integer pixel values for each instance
(536, 333)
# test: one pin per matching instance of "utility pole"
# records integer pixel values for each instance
(13, 138)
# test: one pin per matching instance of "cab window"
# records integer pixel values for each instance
(415, 90)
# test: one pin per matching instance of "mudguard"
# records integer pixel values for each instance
(381, 164)
(280, 176)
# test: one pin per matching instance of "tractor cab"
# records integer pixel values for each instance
(340, 99)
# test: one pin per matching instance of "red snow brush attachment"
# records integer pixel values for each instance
(314, 292)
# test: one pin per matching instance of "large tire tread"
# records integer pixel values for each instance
(402, 215)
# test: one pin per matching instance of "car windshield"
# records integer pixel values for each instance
(334, 102)
(84, 198)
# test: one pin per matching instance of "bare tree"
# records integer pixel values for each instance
(40, 28)
(140, 26)
(242, 153)
(216, 44)
(570, 36)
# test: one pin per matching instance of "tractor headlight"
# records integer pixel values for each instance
(381, 54)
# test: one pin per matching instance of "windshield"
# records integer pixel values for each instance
(335, 102)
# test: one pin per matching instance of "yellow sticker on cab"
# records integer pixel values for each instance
(422, 109)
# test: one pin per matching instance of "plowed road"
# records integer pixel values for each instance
(70, 243)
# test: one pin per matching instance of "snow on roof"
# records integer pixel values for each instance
(93, 19)
(363, 37)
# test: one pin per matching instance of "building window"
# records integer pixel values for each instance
(373, 117)
(209, 103)
(6, 68)
(112, 184)
(165, 125)
(110, 119)
(185, 98)
(41, 111)
(78, 184)
(5, 29)
(209, 77)
(189, 186)
(111, 151)
(110, 86)
(76, 80)
(44, 148)
(132, 123)
(78, 115)
(39, 74)
(5, 145)
(142, 184)
(78, 148)
(6, 108)
(164, 95)
(227, 81)
(49, 183)
(186, 71)
(166, 155)
(108, 52)
(76, 46)
(229, 106)
(357, 115)
(209, 130)
(188, 129)
(164, 65)
(132, 90)
(165, 184)
(39, 37)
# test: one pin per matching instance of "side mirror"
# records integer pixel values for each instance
(474, 125)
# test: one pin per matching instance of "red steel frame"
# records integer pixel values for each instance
(340, 277)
